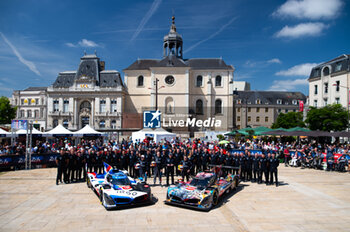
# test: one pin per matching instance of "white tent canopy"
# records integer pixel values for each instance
(23, 132)
(87, 131)
(4, 133)
(59, 131)
(157, 135)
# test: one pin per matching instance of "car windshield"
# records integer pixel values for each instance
(120, 181)
(200, 182)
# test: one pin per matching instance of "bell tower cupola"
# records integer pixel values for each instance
(172, 44)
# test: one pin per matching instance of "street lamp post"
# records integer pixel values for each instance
(234, 94)
(156, 85)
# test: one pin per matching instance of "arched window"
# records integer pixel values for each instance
(65, 123)
(326, 71)
(140, 81)
(218, 106)
(29, 114)
(113, 124)
(169, 105)
(102, 124)
(199, 106)
(199, 81)
(218, 80)
(85, 105)
(55, 122)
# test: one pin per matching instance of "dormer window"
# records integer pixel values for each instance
(326, 71)
(294, 102)
(338, 67)
(239, 101)
(258, 101)
(279, 101)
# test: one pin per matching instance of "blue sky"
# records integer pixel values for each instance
(272, 44)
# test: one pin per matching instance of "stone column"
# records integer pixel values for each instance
(187, 92)
(92, 122)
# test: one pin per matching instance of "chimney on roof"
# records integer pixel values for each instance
(102, 65)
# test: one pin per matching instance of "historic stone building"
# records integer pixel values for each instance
(91, 95)
(180, 88)
(31, 105)
(329, 83)
(261, 108)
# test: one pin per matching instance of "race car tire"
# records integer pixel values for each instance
(215, 198)
(100, 195)
(235, 183)
(88, 182)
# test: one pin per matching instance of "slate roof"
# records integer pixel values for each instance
(35, 89)
(343, 60)
(173, 61)
(270, 97)
(90, 70)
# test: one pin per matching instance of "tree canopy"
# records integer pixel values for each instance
(7, 112)
(289, 120)
(329, 118)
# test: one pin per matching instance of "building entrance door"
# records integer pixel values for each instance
(85, 121)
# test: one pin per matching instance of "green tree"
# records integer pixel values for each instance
(7, 112)
(329, 118)
(220, 137)
(289, 120)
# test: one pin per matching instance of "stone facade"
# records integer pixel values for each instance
(329, 83)
(90, 95)
(181, 88)
(261, 108)
(31, 105)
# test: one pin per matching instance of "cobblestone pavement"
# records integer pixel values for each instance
(307, 200)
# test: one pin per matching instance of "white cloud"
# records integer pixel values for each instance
(27, 63)
(83, 43)
(288, 85)
(145, 18)
(70, 45)
(301, 30)
(310, 9)
(261, 64)
(87, 43)
(297, 70)
(274, 61)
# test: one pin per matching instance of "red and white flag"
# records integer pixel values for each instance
(301, 106)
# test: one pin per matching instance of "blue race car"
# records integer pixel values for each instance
(116, 188)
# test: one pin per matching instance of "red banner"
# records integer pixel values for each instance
(301, 106)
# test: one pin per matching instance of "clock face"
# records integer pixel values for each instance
(169, 80)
